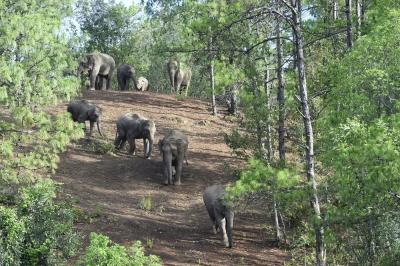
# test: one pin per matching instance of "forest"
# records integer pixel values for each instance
(290, 105)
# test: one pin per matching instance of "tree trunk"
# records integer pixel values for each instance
(281, 97)
(267, 142)
(335, 9)
(349, 28)
(359, 17)
(212, 79)
(335, 15)
(308, 129)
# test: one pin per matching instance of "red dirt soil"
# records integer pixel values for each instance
(177, 228)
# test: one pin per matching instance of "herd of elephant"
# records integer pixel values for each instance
(173, 147)
(100, 68)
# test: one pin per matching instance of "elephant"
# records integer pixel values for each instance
(132, 126)
(174, 148)
(178, 77)
(99, 66)
(142, 84)
(220, 213)
(124, 74)
(82, 111)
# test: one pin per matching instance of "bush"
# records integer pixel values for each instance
(102, 252)
(37, 230)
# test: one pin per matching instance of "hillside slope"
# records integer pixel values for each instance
(177, 228)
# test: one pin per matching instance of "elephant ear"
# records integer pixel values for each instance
(90, 61)
(94, 113)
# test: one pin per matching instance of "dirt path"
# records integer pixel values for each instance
(177, 227)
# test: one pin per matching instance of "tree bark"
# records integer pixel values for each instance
(281, 97)
(359, 17)
(267, 143)
(349, 27)
(335, 15)
(212, 79)
(308, 130)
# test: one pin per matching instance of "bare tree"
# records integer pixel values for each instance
(281, 96)
(295, 8)
(349, 27)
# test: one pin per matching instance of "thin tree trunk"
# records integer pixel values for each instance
(335, 9)
(281, 97)
(349, 27)
(278, 234)
(359, 17)
(308, 129)
(212, 79)
(335, 15)
(267, 143)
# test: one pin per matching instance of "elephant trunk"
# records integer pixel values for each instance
(98, 127)
(167, 161)
(229, 226)
(172, 74)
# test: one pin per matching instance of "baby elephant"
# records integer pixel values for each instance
(220, 213)
(133, 126)
(82, 111)
(173, 147)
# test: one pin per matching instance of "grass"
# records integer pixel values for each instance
(146, 203)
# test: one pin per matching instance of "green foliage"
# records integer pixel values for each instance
(34, 60)
(282, 184)
(37, 230)
(31, 145)
(102, 252)
(146, 203)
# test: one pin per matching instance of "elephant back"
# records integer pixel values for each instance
(134, 116)
(214, 195)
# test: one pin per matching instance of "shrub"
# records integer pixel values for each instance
(101, 252)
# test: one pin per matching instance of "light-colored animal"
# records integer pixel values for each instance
(174, 148)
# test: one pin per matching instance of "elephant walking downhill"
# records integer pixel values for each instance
(220, 213)
(173, 147)
(133, 126)
(100, 67)
(82, 111)
(178, 77)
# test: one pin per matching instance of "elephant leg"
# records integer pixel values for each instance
(229, 226)
(93, 76)
(108, 85)
(221, 221)
(187, 88)
(98, 128)
(119, 79)
(91, 128)
(120, 143)
(179, 165)
(126, 84)
(132, 145)
(178, 87)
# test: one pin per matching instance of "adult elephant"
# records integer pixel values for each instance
(173, 147)
(82, 111)
(133, 126)
(99, 66)
(220, 213)
(124, 74)
(178, 77)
